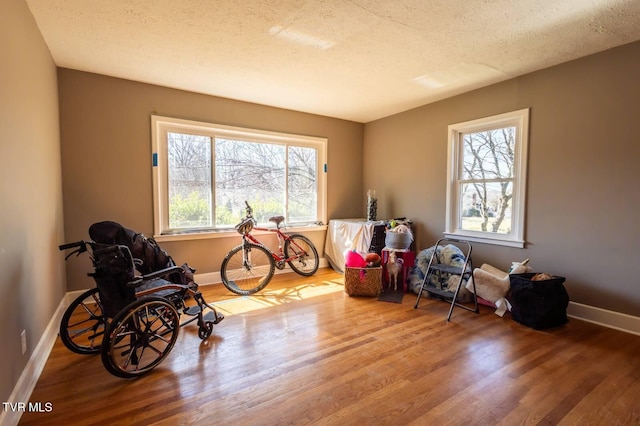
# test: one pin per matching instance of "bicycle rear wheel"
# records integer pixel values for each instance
(306, 260)
(247, 269)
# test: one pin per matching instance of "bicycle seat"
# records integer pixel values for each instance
(276, 219)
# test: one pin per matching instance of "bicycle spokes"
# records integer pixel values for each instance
(302, 255)
(247, 268)
(246, 258)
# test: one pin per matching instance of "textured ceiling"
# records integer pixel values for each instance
(358, 60)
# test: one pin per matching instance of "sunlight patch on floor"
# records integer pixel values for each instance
(273, 297)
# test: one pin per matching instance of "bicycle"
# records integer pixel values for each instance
(249, 267)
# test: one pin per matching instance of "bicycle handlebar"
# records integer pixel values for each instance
(248, 209)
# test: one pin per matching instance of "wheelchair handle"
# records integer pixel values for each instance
(67, 246)
(80, 246)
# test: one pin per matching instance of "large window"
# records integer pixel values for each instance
(203, 173)
(487, 172)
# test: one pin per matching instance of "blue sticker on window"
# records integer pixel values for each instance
(325, 167)
(154, 159)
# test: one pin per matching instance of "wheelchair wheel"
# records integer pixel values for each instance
(247, 269)
(307, 264)
(83, 324)
(140, 337)
(205, 331)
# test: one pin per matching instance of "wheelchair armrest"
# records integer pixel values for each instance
(138, 281)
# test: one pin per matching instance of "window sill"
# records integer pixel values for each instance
(231, 233)
(485, 239)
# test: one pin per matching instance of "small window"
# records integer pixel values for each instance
(203, 173)
(486, 175)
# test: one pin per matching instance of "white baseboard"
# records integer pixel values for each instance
(31, 373)
(603, 317)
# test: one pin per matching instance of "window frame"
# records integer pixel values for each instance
(161, 125)
(520, 120)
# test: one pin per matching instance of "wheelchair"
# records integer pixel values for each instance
(133, 315)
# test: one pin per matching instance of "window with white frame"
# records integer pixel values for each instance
(203, 173)
(486, 179)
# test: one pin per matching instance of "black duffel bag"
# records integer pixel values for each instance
(538, 304)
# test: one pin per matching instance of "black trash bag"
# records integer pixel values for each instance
(538, 304)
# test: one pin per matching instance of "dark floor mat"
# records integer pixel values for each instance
(389, 295)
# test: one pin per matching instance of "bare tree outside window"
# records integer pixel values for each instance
(302, 183)
(189, 174)
(249, 171)
(204, 172)
(487, 180)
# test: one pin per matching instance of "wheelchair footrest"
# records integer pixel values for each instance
(193, 310)
(212, 317)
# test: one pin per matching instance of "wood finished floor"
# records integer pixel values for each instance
(304, 353)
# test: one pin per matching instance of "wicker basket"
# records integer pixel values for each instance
(363, 281)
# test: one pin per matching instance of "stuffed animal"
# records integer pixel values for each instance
(372, 259)
(394, 267)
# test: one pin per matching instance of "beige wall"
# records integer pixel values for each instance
(32, 279)
(583, 201)
(106, 158)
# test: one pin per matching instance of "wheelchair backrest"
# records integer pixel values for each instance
(114, 268)
(152, 258)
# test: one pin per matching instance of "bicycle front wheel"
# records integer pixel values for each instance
(247, 269)
(303, 255)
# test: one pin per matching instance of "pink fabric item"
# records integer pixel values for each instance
(353, 259)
